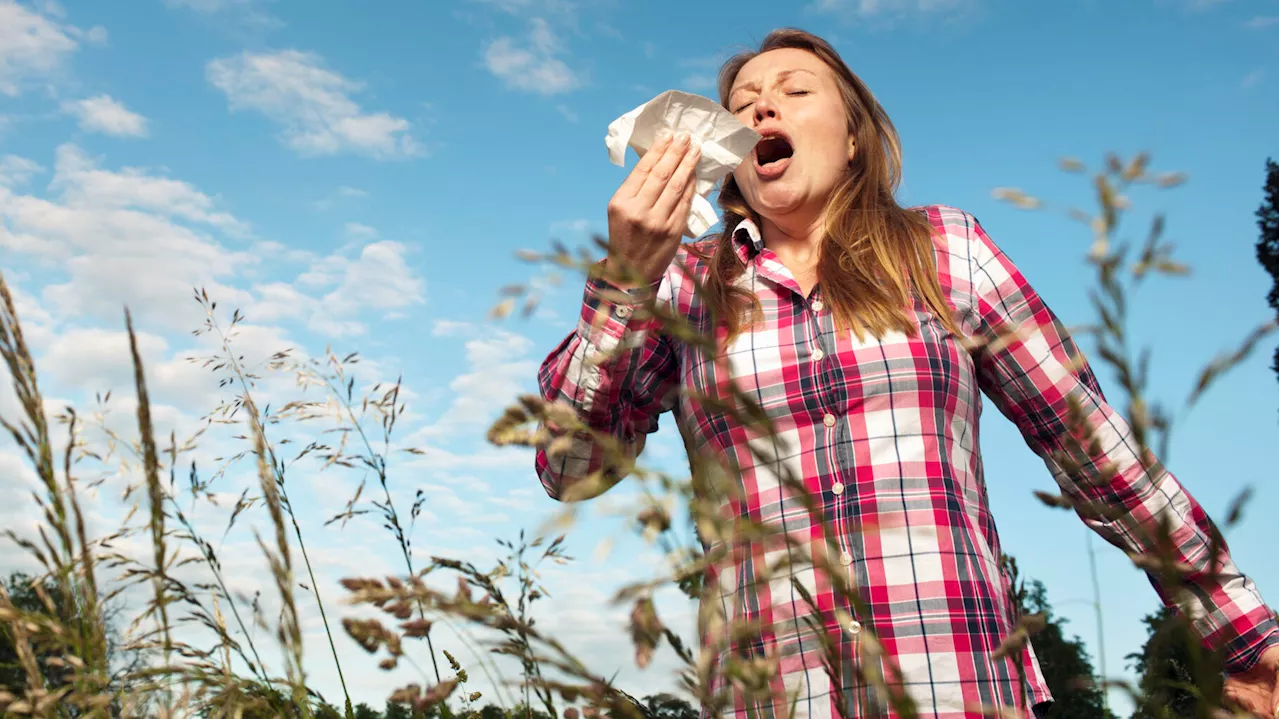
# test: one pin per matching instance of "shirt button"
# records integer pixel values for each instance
(854, 627)
(829, 420)
(817, 305)
(818, 354)
(846, 559)
(623, 311)
(837, 488)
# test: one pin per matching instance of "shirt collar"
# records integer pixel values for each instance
(747, 239)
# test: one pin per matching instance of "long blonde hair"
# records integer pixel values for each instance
(874, 253)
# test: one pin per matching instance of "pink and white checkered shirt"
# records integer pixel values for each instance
(885, 434)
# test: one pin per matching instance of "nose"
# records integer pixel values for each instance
(764, 107)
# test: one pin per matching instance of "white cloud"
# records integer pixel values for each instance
(699, 83)
(17, 171)
(85, 185)
(451, 328)
(519, 7)
(532, 66)
(499, 369)
(106, 115)
(207, 6)
(248, 12)
(92, 359)
(704, 69)
(343, 192)
(359, 231)
(377, 279)
(575, 227)
(312, 103)
(34, 44)
(1262, 22)
(123, 238)
(881, 8)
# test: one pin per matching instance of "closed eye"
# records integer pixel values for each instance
(740, 109)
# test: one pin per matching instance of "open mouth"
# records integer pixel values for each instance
(773, 149)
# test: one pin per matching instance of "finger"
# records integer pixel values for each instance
(680, 218)
(631, 186)
(662, 172)
(680, 186)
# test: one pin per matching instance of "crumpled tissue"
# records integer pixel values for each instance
(725, 143)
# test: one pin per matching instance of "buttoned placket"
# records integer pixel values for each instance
(816, 355)
(852, 627)
(815, 317)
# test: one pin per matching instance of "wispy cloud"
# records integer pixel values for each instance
(343, 192)
(379, 278)
(532, 65)
(703, 70)
(249, 13)
(1262, 22)
(571, 227)
(107, 115)
(17, 171)
(889, 8)
(122, 238)
(567, 112)
(532, 7)
(35, 44)
(500, 367)
(358, 231)
(312, 103)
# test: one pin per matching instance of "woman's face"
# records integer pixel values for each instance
(793, 100)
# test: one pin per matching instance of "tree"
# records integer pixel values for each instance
(1266, 245)
(1173, 662)
(123, 661)
(1064, 662)
(669, 706)
(396, 710)
(364, 711)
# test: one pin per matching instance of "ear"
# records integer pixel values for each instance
(853, 148)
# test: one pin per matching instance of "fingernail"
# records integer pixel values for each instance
(664, 134)
(682, 138)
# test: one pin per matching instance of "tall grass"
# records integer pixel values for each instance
(62, 646)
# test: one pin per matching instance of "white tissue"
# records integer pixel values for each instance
(724, 141)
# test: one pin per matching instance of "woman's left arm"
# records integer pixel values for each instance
(1031, 375)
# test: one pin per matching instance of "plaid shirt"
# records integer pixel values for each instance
(885, 434)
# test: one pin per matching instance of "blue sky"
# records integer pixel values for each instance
(361, 178)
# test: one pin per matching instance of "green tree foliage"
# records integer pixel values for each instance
(23, 595)
(22, 590)
(1064, 661)
(396, 710)
(1266, 245)
(669, 706)
(1174, 669)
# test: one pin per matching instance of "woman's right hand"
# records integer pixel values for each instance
(648, 213)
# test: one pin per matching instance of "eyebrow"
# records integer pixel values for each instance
(781, 76)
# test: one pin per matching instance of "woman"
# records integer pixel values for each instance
(849, 321)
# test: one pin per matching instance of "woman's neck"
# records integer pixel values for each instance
(798, 239)
(797, 244)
